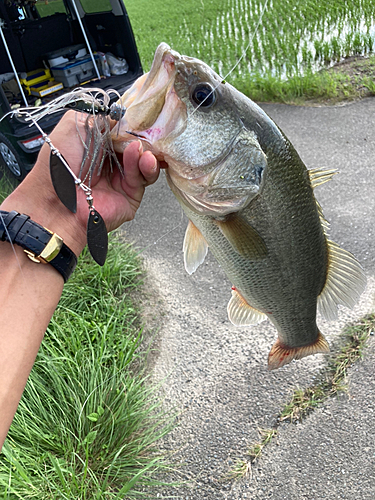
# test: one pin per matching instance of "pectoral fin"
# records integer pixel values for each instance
(240, 313)
(195, 248)
(281, 354)
(344, 284)
(243, 237)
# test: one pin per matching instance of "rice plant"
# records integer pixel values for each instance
(295, 38)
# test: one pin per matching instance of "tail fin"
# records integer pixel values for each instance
(281, 354)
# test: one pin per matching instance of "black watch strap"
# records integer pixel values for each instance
(40, 244)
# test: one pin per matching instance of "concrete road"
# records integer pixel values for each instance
(216, 374)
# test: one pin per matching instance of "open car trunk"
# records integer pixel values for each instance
(48, 48)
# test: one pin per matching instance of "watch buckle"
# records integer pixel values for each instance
(50, 251)
(32, 256)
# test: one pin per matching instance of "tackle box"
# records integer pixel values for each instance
(75, 73)
(36, 77)
(65, 55)
(43, 89)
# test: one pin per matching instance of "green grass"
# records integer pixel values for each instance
(7, 183)
(89, 420)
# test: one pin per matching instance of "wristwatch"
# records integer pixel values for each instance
(40, 244)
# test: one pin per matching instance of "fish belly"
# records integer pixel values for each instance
(284, 284)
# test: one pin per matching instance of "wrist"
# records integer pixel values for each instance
(41, 204)
(39, 244)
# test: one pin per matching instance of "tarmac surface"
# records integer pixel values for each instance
(216, 375)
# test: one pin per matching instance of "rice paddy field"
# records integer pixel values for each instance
(268, 49)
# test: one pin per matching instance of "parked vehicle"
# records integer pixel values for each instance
(48, 48)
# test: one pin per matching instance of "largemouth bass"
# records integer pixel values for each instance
(249, 198)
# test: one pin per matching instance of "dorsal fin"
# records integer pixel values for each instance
(281, 354)
(240, 313)
(244, 238)
(344, 284)
(195, 248)
(319, 176)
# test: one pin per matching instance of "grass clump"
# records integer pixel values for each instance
(88, 421)
(256, 449)
(242, 468)
(303, 401)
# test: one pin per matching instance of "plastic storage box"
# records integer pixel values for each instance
(74, 73)
(65, 55)
(35, 77)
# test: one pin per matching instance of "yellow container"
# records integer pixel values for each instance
(35, 77)
(42, 89)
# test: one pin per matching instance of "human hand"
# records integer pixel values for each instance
(115, 197)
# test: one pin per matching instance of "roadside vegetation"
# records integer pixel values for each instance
(332, 381)
(287, 60)
(7, 183)
(334, 378)
(89, 420)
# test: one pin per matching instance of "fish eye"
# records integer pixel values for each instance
(204, 95)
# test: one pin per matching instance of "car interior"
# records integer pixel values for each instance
(38, 34)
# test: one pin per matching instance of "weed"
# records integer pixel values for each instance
(88, 422)
(256, 449)
(241, 469)
(333, 380)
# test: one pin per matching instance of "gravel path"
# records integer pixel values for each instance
(216, 374)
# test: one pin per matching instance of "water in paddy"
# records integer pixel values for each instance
(294, 35)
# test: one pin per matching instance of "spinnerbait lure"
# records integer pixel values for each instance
(97, 145)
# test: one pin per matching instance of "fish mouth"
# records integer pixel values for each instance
(153, 109)
(157, 108)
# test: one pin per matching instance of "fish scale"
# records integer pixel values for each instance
(286, 283)
(249, 198)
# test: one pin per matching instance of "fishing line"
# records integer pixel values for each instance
(168, 232)
(234, 67)
(11, 243)
(240, 59)
(250, 42)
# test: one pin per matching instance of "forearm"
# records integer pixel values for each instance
(29, 293)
